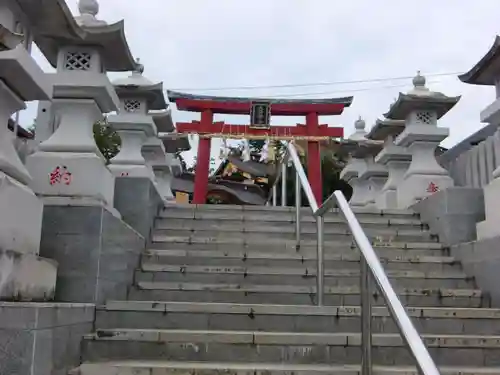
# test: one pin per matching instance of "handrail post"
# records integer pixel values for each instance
(319, 269)
(366, 319)
(275, 197)
(283, 183)
(298, 205)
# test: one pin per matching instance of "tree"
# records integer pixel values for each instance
(108, 141)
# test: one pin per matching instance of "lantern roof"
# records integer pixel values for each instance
(54, 27)
(421, 98)
(136, 85)
(386, 128)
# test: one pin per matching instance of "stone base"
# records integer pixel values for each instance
(164, 183)
(139, 203)
(20, 217)
(416, 187)
(74, 169)
(387, 199)
(97, 253)
(489, 227)
(453, 213)
(42, 338)
(26, 277)
(131, 171)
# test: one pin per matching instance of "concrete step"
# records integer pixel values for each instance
(224, 316)
(263, 213)
(334, 223)
(298, 295)
(262, 275)
(330, 233)
(283, 347)
(231, 368)
(274, 245)
(305, 258)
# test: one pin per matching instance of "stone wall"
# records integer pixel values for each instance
(42, 339)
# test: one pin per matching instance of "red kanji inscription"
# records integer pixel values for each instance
(60, 175)
(432, 188)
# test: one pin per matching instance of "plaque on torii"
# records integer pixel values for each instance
(259, 128)
(260, 115)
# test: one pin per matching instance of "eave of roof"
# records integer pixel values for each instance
(487, 69)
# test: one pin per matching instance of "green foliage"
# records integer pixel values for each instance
(107, 140)
(256, 145)
(331, 167)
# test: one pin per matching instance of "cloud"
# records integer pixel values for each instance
(220, 43)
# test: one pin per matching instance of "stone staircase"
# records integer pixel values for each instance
(223, 289)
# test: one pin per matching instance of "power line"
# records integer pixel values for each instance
(312, 84)
(344, 91)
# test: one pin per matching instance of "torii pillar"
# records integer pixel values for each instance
(203, 161)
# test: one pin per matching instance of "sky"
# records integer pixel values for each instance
(200, 44)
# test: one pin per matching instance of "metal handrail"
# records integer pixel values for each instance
(410, 335)
(370, 267)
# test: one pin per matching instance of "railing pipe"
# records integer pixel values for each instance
(275, 197)
(320, 273)
(298, 204)
(366, 319)
(283, 182)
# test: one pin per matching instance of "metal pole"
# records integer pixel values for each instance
(366, 319)
(319, 271)
(283, 183)
(298, 205)
(275, 198)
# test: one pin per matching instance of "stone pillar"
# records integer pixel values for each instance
(23, 274)
(130, 162)
(159, 162)
(68, 165)
(388, 198)
(360, 188)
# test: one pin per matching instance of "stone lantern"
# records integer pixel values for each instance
(135, 125)
(396, 160)
(361, 172)
(421, 109)
(23, 274)
(68, 168)
(155, 153)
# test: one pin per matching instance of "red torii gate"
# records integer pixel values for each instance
(312, 131)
